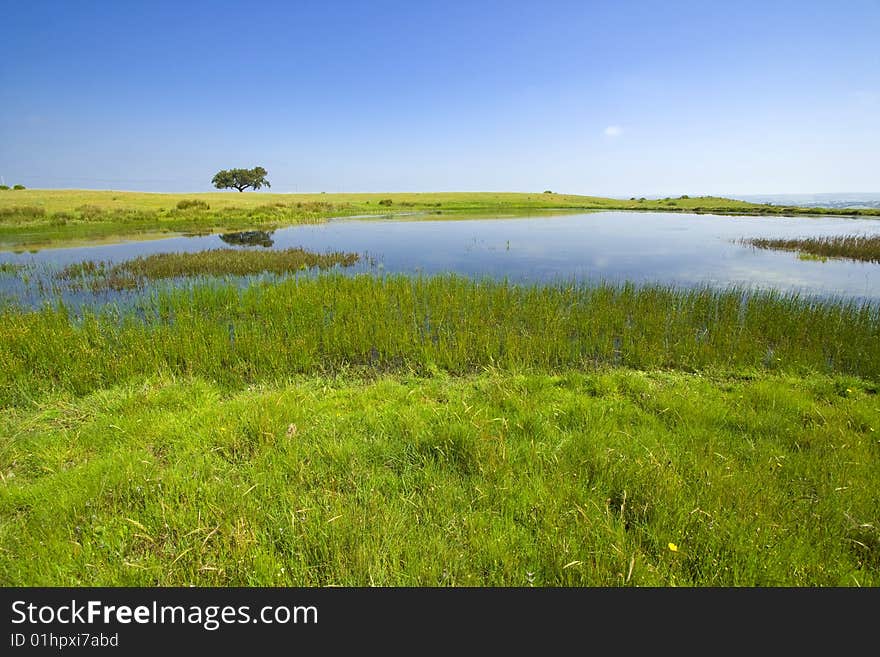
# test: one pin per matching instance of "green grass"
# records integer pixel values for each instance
(333, 430)
(333, 323)
(215, 262)
(569, 479)
(853, 247)
(45, 217)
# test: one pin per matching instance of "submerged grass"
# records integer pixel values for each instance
(214, 262)
(497, 479)
(854, 247)
(10, 268)
(334, 323)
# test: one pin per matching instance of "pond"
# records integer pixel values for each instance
(682, 250)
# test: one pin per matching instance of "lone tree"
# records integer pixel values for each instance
(240, 179)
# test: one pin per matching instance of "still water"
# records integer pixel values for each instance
(671, 249)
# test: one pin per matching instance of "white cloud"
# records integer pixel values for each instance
(613, 131)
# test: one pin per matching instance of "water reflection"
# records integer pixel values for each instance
(250, 238)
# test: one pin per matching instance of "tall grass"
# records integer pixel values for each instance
(854, 247)
(329, 323)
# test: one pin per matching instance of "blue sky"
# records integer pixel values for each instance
(609, 98)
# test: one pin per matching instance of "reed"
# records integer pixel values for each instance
(330, 323)
(853, 247)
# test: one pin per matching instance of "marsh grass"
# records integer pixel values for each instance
(330, 323)
(215, 262)
(10, 268)
(854, 247)
(812, 258)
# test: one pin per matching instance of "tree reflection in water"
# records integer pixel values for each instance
(250, 238)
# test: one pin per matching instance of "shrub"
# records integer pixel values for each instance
(684, 196)
(18, 187)
(385, 201)
(23, 211)
(90, 211)
(3, 187)
(188, 204)
(548, 191)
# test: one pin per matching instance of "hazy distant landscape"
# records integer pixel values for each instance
(825, 200)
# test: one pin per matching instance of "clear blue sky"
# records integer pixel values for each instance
(610, 98)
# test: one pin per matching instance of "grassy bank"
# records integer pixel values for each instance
(34, 225)
(575, 479)
(333, 323)
(854, 247)
(41, 217)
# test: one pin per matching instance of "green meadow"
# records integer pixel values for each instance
(606, 478)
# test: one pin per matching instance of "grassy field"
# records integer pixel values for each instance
(607, 478)
(42, 217)
(853, 247)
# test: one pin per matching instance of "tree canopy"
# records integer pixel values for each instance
(240, 179)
